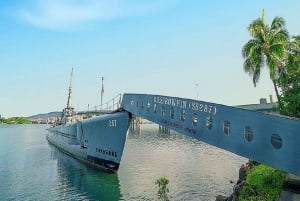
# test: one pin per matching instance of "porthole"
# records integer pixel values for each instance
(194, 119)
(209, 122)
(226, 128)
(162, 111)
(172, 113)
(155, 108)
(276, 141)
(148, 106)
(182, 115)
(248, 134)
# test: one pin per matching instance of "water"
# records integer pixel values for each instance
(32, 169)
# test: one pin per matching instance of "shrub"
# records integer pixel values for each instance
(263, 183)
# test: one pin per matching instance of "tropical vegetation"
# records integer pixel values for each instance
(289, 82)
(15, 120)
(271, 46)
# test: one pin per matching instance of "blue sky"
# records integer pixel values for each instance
(138, 46)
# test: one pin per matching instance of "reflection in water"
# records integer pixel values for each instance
(32, 169)
(195, 170)
(135, 128)
(163, 130)
(77, 180)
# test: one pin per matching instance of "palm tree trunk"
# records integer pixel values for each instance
(276, 90)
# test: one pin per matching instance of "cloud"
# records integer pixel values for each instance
(66, 14)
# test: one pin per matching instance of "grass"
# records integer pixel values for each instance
(263, 183)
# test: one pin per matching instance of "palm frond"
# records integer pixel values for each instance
(257, 29)
(275, 65)
(294, 45)
(247, 48)
(248, 68)
(277, 23)
(279, 35)
(296, 39)
(279, 50)
(256, 76)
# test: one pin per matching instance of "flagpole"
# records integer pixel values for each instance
(102, 91)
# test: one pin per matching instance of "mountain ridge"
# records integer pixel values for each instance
(48, 115)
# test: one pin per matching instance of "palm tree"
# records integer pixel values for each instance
(267, 47)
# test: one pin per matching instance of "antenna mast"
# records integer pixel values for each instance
(69, 103)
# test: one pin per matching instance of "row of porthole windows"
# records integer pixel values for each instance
(276, 140)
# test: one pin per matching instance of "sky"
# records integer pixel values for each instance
(190, 49)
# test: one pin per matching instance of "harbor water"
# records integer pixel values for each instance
(32, 169)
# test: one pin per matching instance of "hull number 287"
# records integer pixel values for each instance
(112, 123)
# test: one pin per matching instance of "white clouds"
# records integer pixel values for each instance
(66, 14)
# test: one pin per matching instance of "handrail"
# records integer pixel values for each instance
(112, 104)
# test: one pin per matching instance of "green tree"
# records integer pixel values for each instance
(289, 82)
(267, 47)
